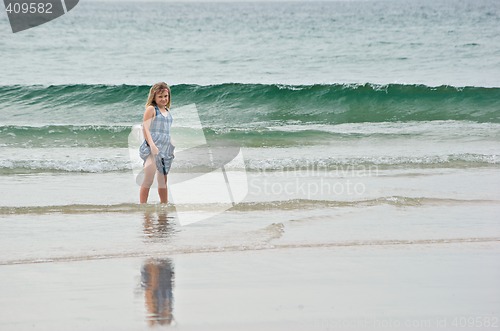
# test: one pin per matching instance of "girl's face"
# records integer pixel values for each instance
(161, 98)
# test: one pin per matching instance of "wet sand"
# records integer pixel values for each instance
(372, 287)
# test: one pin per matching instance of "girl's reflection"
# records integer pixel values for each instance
(158, 226)
(157, 282)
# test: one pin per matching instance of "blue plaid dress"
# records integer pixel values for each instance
(160, 132)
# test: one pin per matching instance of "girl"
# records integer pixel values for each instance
(156, 150)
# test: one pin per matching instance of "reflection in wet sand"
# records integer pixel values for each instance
(158, 225)
(157, 282)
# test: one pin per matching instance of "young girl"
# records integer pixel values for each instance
(156, 150)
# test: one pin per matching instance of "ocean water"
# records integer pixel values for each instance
(358, 123)
(444, 42)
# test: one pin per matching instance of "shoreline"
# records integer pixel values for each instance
(358, 288)
(272, 247)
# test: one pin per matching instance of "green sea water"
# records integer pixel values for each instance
(443, 42)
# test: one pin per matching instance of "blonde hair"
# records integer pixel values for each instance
(158, 87)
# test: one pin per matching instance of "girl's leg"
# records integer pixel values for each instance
(149, 175)
(162, 187)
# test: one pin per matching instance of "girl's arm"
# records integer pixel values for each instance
(146, 123)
